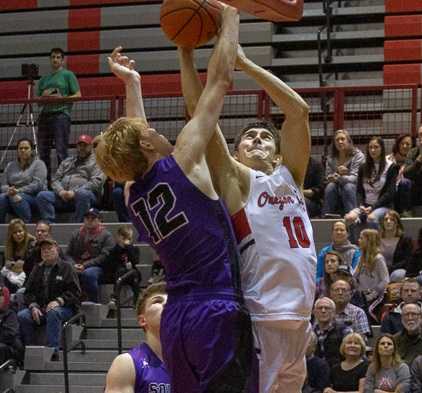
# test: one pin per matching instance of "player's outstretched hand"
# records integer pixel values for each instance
(122, 66)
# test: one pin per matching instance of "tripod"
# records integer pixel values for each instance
(25, 119)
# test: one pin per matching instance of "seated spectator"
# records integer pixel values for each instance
(387, 372)
(313, 186)
(416, 375)
(51, 297)
(341, 175)
(409, 340)
(403, 196)
(88, 248)
(371, 274)
(119, 202)
(77, 185)
(24, 179)
(395, 247)
(329, 332)
(340, 243)
(376, 186)
(349, 375)
(347, 313)
(123, 257)
(42, 232)
(332, 261)
(13, 275)
(414, 268)
(19, 242)
(413, 170)
(10, 344)
(410, 292)
(317, 369)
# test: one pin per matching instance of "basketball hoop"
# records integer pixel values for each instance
(272, 10)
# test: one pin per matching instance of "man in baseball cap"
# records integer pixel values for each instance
(77, 184)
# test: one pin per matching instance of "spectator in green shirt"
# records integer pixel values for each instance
(54, 121)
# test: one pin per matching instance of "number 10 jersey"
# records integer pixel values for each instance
(277, 250)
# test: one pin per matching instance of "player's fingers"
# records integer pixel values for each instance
(132, 64)
(124, 60)
(116, 52)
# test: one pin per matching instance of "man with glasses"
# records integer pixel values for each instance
(409, 340)
(347, 313)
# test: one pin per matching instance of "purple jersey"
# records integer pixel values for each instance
(151, 374)
(191, 233)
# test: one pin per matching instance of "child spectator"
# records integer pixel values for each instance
(14, 276)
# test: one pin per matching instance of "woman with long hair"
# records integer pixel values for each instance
(376, 185)
(332, 261)
(341, 174)
(349, 375)
(25, 178)
(403, 198)
(395, 246)
(387, 372)
(371, 274)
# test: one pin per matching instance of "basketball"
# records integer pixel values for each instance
(190, 23)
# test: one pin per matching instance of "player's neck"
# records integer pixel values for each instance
(261, 165)
(152, 158)
(153, 341)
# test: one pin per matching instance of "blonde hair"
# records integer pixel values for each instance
(370, 250)
(13, 248)
(399, 225)
(359, 338)
(117, 150)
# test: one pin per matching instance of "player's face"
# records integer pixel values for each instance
(56, 60)
(256, 144)
(151, 317)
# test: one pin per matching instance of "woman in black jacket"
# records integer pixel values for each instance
(376, 185)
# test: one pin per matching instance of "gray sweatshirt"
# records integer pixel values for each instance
(353, 164)
(377, 279)
(388, 379)
(30, 180)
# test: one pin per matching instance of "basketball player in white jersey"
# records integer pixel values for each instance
(273, 229)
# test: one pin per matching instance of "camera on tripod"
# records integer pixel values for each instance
(30, 71)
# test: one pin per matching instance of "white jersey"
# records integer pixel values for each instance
(276, 245)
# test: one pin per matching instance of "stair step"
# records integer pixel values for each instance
(110, 334)
(79, 366)
(92, 379)
(91, 356)
(126, 323)
(110, 344)
(58, 389)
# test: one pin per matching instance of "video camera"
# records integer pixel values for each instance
(30, 71)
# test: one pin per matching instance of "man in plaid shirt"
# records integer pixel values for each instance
(347, 313)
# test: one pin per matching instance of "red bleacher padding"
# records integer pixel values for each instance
(402, 50)
(13, 90)
(399, 6)
(274, 10)
(84, 64)
(10, 5)
(85, 18)
(402, 74)
(101, 2)
(403, 26)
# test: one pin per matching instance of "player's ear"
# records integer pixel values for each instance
(142, 321)
(144, 145)
(277, 160)
(236, 155)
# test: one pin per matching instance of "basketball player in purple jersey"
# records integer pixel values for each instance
(273, 229)
(205, 330)
(142, 370)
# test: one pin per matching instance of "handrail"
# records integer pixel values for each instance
(119, 283)
(7, 363)
(78, 317)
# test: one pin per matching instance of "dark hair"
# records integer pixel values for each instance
(369, 165)
(57, 50)
(376, 360)
(259, 124)
(396, 146)
(25, 140)
(340, 260)
(399, 224)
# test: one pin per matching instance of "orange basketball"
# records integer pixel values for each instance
(190, 23)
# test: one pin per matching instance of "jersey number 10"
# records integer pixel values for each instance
(296, 232)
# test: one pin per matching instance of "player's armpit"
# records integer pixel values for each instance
(121, 376)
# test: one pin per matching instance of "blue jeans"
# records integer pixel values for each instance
(53, 126)
(48, 202)
(90, 279)
(54, 321)
(119, 203)
(337, 194)
(22, 209)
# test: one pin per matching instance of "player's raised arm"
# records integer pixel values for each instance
(294, 136)
(219, 159)
(193, 140)
(124, 69)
